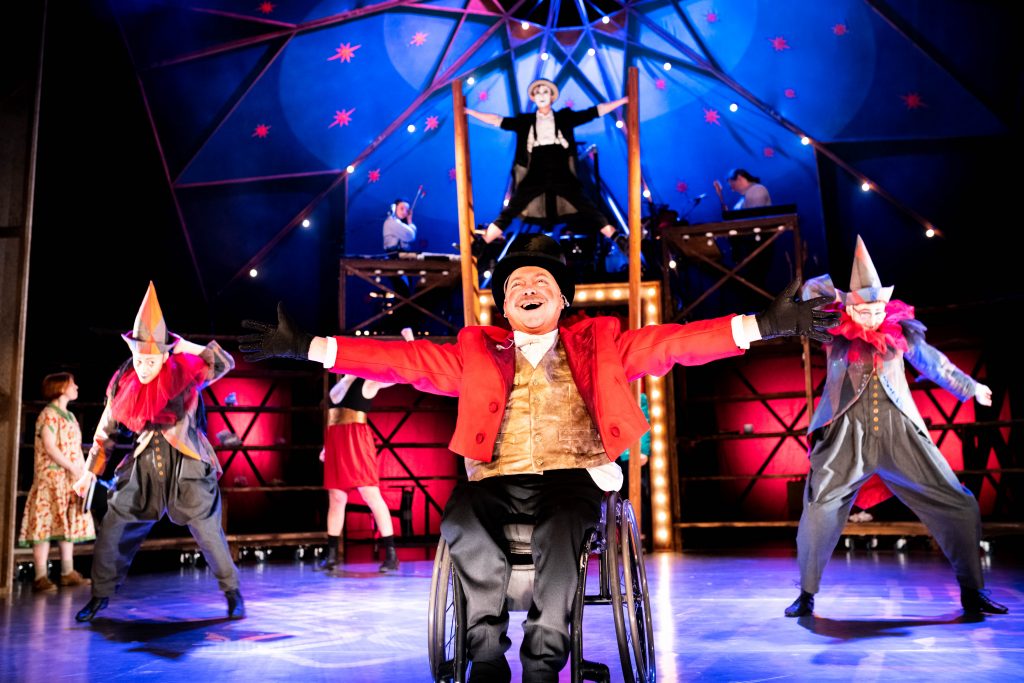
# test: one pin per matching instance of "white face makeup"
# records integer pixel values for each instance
(147, 365)
(533, 300)
(541, 96)
(869, 316)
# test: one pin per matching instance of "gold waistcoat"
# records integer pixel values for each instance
(546, 425)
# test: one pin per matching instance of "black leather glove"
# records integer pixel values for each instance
(284, 341)
(788, 316)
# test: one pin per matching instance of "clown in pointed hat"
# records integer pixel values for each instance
(149, 334)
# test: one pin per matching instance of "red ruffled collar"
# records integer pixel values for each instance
(136, 405)
(888, 335)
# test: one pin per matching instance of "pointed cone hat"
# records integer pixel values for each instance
(149, 334)
(865, 285)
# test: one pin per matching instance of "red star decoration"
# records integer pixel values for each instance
(769, 152)
(451, 174)
(789, 93)
(431, 123)
(569, 103)
(261, 131)
(419, 38)
(342, 118)
(482, 96)
(839, 29)
(913, 100)
(681, 186)
(344, 52)
(712, 116)
(712, 17)
(779, 43)
(660, 84)
(265, 7)
(374, 175)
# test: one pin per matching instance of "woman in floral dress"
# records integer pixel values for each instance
(53, 512)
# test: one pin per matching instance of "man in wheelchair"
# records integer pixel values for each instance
(543, 413)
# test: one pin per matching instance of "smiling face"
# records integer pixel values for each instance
(533, 300)
(147, 365)
(869, 316)
(541, 96)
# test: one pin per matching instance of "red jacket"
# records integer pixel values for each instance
(479, 368)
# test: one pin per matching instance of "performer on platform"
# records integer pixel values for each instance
(399, 231)
(173, 469)
(545, 160)
(867, 423)
(543, 412)
(350, 462)
(52, 511)
(754, 194)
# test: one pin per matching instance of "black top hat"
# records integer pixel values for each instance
(537, 250)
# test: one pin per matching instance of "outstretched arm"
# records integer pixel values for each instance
(606, 107)
(493, 119)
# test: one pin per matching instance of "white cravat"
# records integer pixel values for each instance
(534, 346)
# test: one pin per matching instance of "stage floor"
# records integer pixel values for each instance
(717, 617)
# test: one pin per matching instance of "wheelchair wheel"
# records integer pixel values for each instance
(446, 618)
(631, 604)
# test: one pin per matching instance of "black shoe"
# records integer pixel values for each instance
(325, 564)
(977, 601)
(91, 608)
(490, 671)
(391, 562)
(236, 605)
(802, 606)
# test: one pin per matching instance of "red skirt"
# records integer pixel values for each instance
(350, 457)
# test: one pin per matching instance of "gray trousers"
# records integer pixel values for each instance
(849, 451)
(564, 504)
(160, 481)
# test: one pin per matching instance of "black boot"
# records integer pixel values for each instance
(236, 605)
(490, 671)
(802, 606)
(391, 562)
(91, 608)
(976, 601)
(331, 561)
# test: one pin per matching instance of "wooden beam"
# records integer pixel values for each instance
(464, 184)
(633, 220)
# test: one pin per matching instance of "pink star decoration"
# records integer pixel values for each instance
(374, 175)
(431, 123)
(769, 152)
(419, 38)
(711, 17)
(839, 29)
(779, 43)
(482, 96)
(660, 84)
(913, 100)
(265, 7)
(681, 186)
(451, 174)
(342, 118)
(789, 93)
(712, 117)
(344, 52)
(261, 131)
(570, 103)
